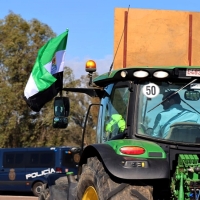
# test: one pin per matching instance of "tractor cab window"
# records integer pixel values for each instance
(113, 112)
(170, 111)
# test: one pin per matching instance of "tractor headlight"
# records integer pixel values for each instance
(140, 74)
(160, 74)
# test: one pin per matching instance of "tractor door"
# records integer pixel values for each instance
(113, 112)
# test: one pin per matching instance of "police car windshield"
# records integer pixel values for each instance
(175, 117)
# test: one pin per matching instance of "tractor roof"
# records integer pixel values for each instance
(173, 71)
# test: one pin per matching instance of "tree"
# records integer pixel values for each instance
(79, 104)
(44, 132)
(19, 43)
(79, 109)
(19, 126)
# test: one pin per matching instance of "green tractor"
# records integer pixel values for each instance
(147, 137)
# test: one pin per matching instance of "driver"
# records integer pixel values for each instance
(117, 124)
(118, 120)
(173, 112)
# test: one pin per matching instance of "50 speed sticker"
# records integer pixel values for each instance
(151, 90)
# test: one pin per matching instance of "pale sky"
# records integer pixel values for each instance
(90, 24)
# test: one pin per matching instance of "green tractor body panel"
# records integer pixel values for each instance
(127, 167)
(186, 177)
(152, 150)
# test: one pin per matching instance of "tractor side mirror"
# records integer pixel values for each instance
(192, 95)
(61, 112)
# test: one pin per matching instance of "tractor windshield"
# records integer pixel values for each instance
(170, 111)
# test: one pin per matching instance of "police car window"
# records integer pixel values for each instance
(47, 159)
(19, 159)
(34, 159)
(67, 159)
(8, 159)
(14, 160)
(40, 159)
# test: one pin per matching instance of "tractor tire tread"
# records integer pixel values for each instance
(94, 174)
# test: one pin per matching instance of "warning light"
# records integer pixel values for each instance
(90, 66)
(132, 150)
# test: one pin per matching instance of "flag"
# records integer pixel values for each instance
(46, 78)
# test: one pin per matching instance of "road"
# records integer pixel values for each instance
(6, 197)
(17, 196)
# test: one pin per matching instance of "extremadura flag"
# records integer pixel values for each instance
(46, 78)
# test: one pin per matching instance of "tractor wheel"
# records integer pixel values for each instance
(60, 189)
(96, 184)
(44, 194)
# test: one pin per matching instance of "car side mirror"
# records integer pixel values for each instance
(61, 112)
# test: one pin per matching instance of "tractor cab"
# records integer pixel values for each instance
(150, 103)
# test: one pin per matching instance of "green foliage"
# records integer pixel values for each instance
(20, 41)
(79, 104)
(19, 44)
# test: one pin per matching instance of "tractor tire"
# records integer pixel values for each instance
(59, 191)
(96, 184)
(44, 194)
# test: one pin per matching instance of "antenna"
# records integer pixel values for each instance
(111, 66)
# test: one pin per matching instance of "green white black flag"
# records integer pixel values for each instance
(46, 77)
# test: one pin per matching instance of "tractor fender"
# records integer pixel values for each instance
(122, 166)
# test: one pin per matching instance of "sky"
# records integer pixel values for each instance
(90, 24)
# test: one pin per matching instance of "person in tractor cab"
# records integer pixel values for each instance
(173, 112)
(116, 123)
